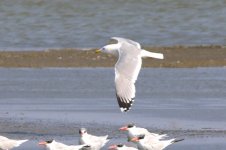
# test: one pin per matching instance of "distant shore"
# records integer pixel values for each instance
(175, 57)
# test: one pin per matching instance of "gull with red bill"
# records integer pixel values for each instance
(146, 143)
(96, 142)
(133, 131)
(53, 145)
(127, 68)
(121, 147)
(8, 144)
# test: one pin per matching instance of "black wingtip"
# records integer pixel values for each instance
(124, 107)
(177, 140)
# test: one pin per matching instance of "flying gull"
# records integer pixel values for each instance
(127, 68)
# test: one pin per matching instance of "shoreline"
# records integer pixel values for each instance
(175, 57)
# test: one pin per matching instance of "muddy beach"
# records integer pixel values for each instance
(53, 103)
(175, 57)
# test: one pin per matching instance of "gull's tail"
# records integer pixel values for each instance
(177, 140)
(19, 142)
(145, 53)
(169, 142)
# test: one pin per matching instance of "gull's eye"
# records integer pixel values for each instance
(120, 145)
(49, 141)
(141, 136)
(80, 132)
(130, 125)
(87, 146)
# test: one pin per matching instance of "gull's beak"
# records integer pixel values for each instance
(123, 128)
(135, 139)
(112, 147)
(98, 51)
(42, 143)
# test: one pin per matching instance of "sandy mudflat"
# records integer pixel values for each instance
(175, 56)
(53, 103)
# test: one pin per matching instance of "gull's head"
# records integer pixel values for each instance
(137, 139)
(127, 127)
(116, 147)
(82, 131)
(111, 48)
(46, 143)
(86, 147)
(131, 126)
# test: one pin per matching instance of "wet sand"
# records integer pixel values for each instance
(175, 56)
(54, 103)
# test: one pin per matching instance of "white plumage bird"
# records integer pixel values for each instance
(133, 131)
(53, 145)
(8, 144)
(127, 68)
(121, 147)
(96, 142)
(149, 143)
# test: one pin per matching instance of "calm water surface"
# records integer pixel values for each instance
(38, 24)
(55, 102)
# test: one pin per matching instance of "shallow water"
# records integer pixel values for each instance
(38, 24)
(55, 102)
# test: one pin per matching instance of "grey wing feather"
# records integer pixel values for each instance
(121, 40)
(125, 93)
(127, 69)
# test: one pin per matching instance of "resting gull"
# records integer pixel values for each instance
(95, 142)
(127, 68)
(54, 145)
(148, 143)
(8, 144)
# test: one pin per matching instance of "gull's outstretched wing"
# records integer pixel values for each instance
(127, 69)
(122, 40)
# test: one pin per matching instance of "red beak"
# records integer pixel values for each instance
(125, 128)
(42, 143)
(135, 139)
(112, 147)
